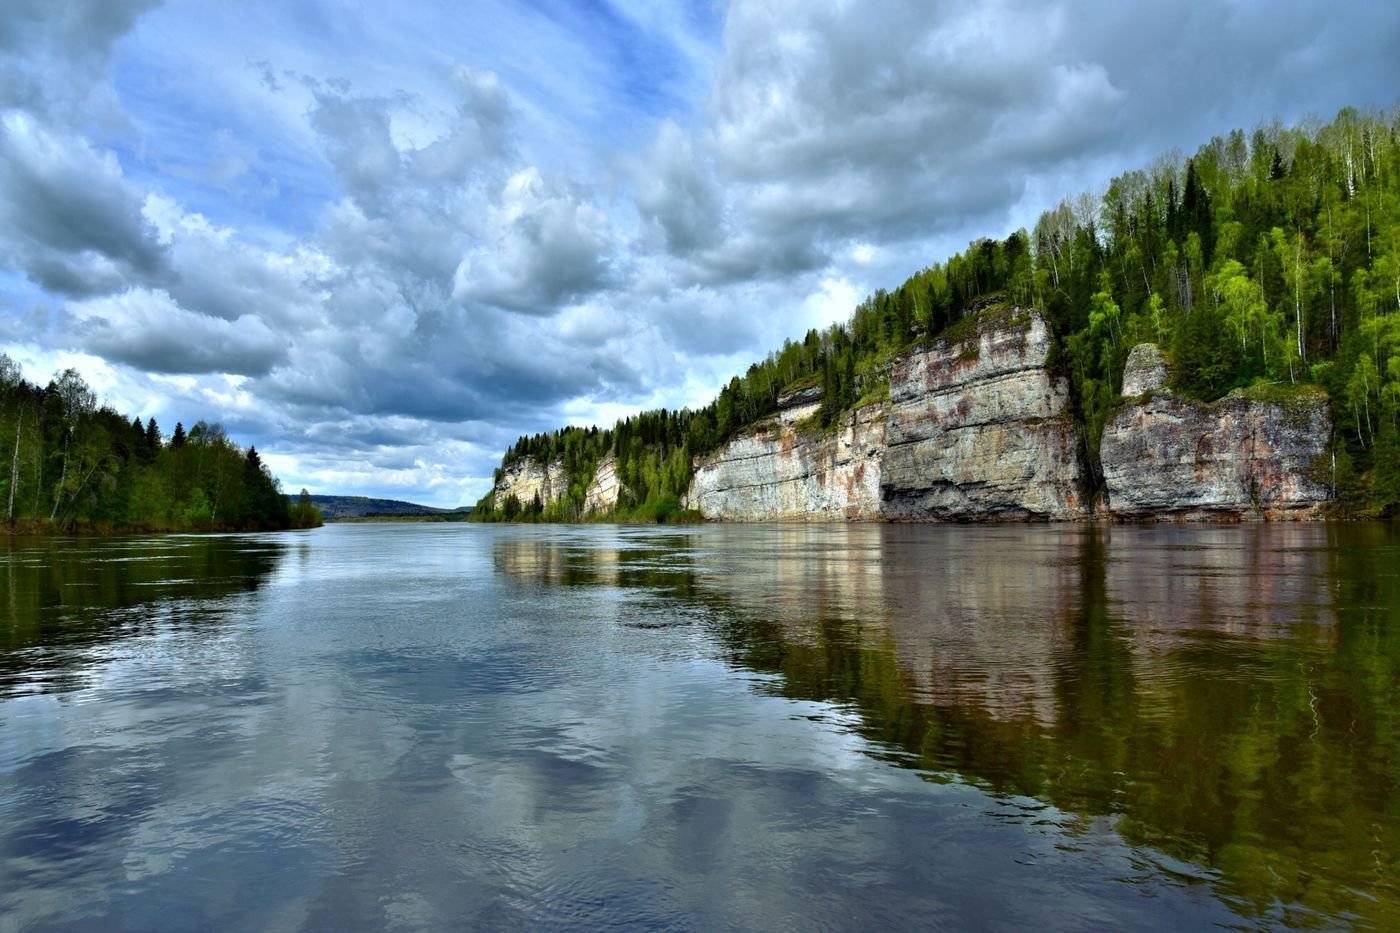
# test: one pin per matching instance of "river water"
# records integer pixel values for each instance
(758, 727)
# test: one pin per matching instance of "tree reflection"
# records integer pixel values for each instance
(72, 592)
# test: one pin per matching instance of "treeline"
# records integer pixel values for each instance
(1265, 258)
(68, 464)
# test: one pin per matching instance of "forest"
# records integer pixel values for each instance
(70, 465)
(1268, 258)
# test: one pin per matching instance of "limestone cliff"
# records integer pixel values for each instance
(602, 494)
(525, 478)
(780, 473)
(978, 428)
(1258, 453)
(975, 430)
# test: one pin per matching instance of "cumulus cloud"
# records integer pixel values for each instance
(550, 244)
(895, 121)
(53, 55)
(826, 125)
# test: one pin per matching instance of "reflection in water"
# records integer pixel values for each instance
(1226, 695)
(60, 595)
(848, 727)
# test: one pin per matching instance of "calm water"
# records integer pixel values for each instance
(424, 726)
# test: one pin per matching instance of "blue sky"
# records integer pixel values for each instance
(382, 240)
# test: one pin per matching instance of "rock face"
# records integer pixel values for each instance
(975, 430)
(602, 492)
(1248, 455)
(1145, 371)
(524, 478)
(799, 405)
(779, 474)
(978, 429)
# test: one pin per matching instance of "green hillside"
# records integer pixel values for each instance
(339, 508)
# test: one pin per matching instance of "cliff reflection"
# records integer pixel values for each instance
(1226, 695)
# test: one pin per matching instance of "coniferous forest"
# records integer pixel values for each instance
(69, 464)
(1267, 258)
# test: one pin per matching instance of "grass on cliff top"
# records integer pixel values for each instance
(993, 312)
(999, 316)
(810, 381)
(1283, 393)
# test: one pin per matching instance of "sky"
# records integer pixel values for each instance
(382, 240)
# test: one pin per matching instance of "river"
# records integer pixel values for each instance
(423, 726)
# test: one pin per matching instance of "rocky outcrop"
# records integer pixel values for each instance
(975, 430)
(779, 473)
(602, 493)
(1256, 453)
(527, 478)
(1145, 371)
(978, 428)
(799, 405)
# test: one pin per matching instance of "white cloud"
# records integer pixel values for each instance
(832, 303)
(548, 244)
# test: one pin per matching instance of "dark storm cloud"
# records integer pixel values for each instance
(149, 331)
(493, 366)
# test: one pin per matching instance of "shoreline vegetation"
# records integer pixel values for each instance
(1266, 261)
(665, 511)
(70, 466)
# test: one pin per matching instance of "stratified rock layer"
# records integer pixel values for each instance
(978, 429)
(1252, 454)
(975, 430)
(778, 473)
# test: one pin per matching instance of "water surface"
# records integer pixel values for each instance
(775, 727)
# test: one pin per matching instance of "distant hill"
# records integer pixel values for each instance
(335, 508)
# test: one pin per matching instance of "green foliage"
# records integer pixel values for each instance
(68, 464)
(304, 513)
